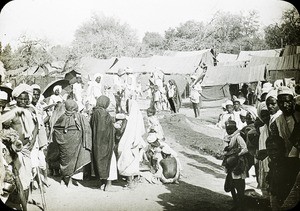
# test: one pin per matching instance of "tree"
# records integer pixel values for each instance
(188, 36)
(6, 57)
(153, 40)
(31, 52)
(286, 32)
(105, 37)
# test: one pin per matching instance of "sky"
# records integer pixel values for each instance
(57, 20)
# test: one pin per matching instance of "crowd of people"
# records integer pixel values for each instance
(265, 135)
(74, 136)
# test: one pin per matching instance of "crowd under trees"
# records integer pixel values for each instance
(105, 37)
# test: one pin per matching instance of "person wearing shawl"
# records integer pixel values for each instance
(72, 133)
(104, 164)
(130, 145)
(264, 116)
(237, 171)
(173, 96)
(22, 118)
(284, 123)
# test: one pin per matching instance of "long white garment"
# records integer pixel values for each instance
(131, 142)
(285, 127)
(77, 91)
(113, 173)
(94, 91)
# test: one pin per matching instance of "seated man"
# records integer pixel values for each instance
(168, 168)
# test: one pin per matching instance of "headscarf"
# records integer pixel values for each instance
(272, 93)
(71, 107)
(262, 106)
(57, 87)
(103, 102)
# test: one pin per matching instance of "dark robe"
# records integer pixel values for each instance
(102, 138)
(73, 136)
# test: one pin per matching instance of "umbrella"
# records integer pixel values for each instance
(65, 84)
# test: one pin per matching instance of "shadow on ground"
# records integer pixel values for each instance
(184, 196)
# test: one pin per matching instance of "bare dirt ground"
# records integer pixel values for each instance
(198, 144)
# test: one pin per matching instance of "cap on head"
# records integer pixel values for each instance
(166, 150)
(152, 137)
(267, 87)
(284, 90)
(228, 102)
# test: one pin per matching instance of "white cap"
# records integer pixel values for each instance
(166, 149)
(152, 137)
(228, 102)
(284, 90)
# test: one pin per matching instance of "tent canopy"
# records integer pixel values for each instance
(226, 58)
(246, 55)
(89, 66)
(290, 62)
(233, 75)
(132, 64)
(174, 65)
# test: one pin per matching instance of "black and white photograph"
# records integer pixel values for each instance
(149, 105)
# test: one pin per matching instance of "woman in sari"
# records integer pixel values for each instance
(72, 133)
(104, 165)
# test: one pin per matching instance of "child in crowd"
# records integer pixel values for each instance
(153, 123)
(168, 167)
(235, 163)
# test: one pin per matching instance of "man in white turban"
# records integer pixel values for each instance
(56, 96)
(94, 90)
(22, 118)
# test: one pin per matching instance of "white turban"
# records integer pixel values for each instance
(267, 87)
(35, 86)
(22, 88)
(57, 87)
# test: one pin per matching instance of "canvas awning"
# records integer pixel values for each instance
(247, 55)
(206, 55)
(233, 75)
(291, 62)
(89, 66)
(132, 64)
(174, 65)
